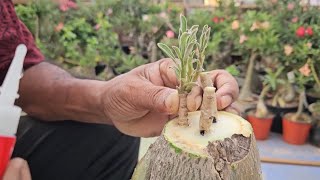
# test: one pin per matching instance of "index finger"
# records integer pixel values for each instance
(227, 88)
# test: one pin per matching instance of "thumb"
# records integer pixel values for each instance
(160, 99)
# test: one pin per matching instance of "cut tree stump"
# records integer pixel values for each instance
(227, 152)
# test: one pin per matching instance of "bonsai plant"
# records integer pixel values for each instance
(260, 118)
(314, 108)
(201, 144)
(259, 39)
(296, 126)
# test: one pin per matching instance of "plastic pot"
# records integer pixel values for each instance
(312, 97)
(295, 132)
(261, 126)
(278, 114)
(315, 135)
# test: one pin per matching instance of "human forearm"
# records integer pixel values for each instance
(50, 93)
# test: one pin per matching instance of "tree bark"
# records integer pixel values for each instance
(183, 110)
(232, 156)
(246, 93)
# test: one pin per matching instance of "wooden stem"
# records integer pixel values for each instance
(262, 110)
(183, 110)
(209, 104)
(205, 80)
(314, 72)
(246, 92)
(300, 107)
(208, 109)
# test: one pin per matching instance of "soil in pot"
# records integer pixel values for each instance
(296, 132)
(261, 126)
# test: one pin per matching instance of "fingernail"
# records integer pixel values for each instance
(172, 102)
(225, 101)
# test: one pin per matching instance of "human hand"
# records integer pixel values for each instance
(17, 169)
(140, 102)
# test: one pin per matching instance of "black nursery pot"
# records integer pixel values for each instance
(312, 99)
(279, 112)
(314, 136)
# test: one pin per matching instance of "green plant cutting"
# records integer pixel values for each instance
(205, 144)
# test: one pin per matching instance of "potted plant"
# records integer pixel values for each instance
(260, 118)
(314, 108)
(258, 40)
(296, 126)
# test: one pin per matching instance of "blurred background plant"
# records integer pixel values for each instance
(104, 38)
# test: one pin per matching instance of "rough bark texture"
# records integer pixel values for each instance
(208, 109)
(234, 158)
(183, 110)
(205, 80)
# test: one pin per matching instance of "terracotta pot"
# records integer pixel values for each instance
(261, 126)
(295, 132)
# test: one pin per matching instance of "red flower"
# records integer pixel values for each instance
(221, 19)
(72, 5)
(309, 31)
(65, 6)
(216, 19)
(300, 32)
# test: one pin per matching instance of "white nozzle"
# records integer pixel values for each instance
(10, 114)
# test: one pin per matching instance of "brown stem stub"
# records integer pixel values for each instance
(183, 110)
(208, 109)
(205, 80)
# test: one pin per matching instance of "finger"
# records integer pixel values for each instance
(167, 73)
(17, 169)
(158, 98)
(194, 98)
(227, 88)
(234, 108)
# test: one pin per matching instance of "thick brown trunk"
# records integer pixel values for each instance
(300, 107)
(262, 110)
(154, 51)
(175, 157)
(246, 93)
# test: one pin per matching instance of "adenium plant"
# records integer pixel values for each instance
(189, 58)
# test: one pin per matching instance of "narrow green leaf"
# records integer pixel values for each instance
(183, 23)
(206, 39)
(189, 49)
(166, 50)
(177, 51)
(183, 42)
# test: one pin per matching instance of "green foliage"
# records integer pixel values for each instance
(272, 78)
(189, 54)
(233, 70)
(139, 24)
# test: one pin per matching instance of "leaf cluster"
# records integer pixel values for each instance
(189, 55)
